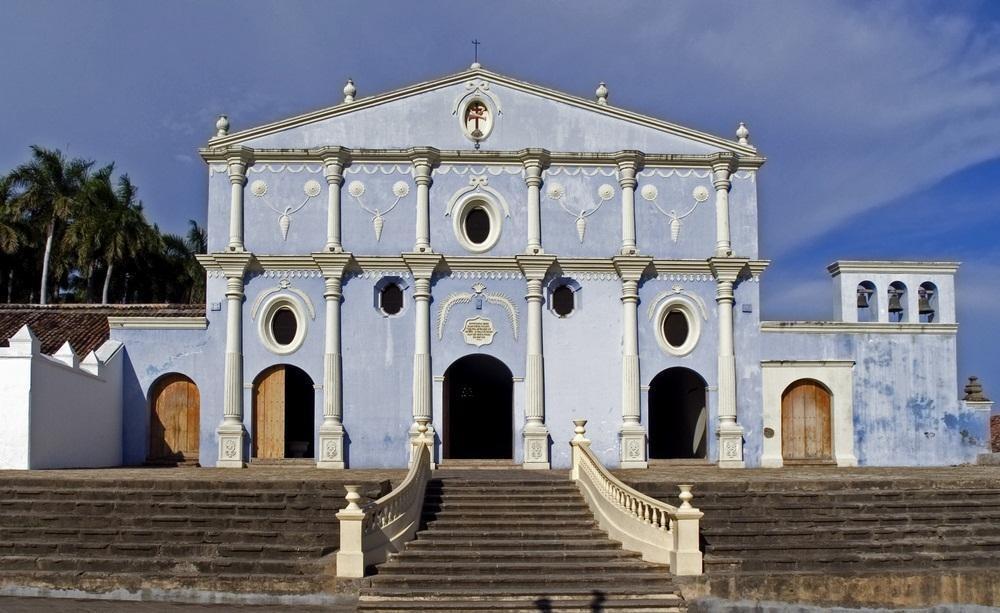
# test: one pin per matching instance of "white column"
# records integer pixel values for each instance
(535, 434)
(424, 160)
(237, 163)
(422, 266)
(721, 172)
(535, 161)
(629, 162)
(330, 452)
(632, 433)
(230, 432)
(333, 170)
(730, 433)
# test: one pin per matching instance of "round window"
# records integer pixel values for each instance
(562, 300)
(391, 299)
(477, 225)
(284, 325)
(675, 328)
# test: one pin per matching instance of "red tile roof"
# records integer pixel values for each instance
(85, 326)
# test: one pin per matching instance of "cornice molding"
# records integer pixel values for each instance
(807, 363)
(847, 327)
(231, 263)
(727, 269)
(495, 78)
(332, 264)
(158, 323)
(535, 266)
(464, 263)
(631, 267)
(422, 265)
(573, 265)
(890, 267)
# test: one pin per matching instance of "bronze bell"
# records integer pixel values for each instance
(894, 305)
(924, 305)
(863, 294)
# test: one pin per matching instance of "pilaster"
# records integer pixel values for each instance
(334, 160)
(422, 266)
(238, 160)
(535, 161)
(231, 434)
(536, 433)
(424, 160)
(632, 433)
(629, 163)
(730, 433)
(331, 432)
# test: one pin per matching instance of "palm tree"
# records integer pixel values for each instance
(91, 227)
(10, 233)
(48, 191)
(128, 232)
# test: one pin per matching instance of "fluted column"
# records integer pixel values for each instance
(632, 433)
(730, 433)
(536, 433)
(334, 159)
(629, 163)
(721, 171)
(424, 160)
(534, 161)
(422, 266)
(331, 433)
(238, 162)
(230, 432)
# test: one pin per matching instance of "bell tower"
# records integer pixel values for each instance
(894, 292)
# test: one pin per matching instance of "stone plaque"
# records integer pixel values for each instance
(478, 331)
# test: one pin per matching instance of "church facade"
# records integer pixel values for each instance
(495, 259)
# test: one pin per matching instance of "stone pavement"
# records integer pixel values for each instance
(38, 605)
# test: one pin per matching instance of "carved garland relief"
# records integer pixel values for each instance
(650, 194)
(557, 192)
(357, 189)
(311, 188)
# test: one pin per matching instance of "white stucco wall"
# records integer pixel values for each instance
(15, 390)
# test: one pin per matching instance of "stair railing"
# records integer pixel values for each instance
(369, 532)
(660, 532)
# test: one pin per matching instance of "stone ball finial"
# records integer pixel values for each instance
(743, 134)
(350, 91)
(602, 93)
(475, 66)
(974, 391)
(222, 126)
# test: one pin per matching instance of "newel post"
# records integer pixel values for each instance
(578, 439)
(685, 559)
(351, 556)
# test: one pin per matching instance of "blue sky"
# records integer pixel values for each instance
(880, 120)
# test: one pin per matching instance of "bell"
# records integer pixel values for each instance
(863, 298)
(894, 304)
(924, 304)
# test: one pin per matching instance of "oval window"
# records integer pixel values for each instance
(477, 225)
(675, 328)
(391, 299)
(284, 326)
(562, 300)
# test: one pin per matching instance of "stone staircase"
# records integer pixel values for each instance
(511, 540)
(98, 535)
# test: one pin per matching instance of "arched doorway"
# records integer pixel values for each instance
(806, 435)
(678, 416)
(478, 409)
(175, 414)
(283, 413)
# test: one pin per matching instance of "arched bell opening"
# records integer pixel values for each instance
(283, 413)
(478, 409)
(678, 415)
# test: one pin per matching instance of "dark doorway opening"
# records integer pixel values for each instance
(478, 409)
(678, 417)
(283, 413)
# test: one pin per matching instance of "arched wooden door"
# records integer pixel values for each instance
(269, 414)
(175, 413)
(806, 435)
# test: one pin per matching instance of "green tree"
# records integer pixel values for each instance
(127, 232)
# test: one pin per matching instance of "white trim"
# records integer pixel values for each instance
(689, 309)
(268, 307)
(849, 327)
(890, 267)
(837, 376)
(460, 208)
(158, 323)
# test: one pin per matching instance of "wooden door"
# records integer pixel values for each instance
(174, 419)
(806, 436)
(269, 414)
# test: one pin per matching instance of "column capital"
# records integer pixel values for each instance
(534, 158)
(332, 264)
(238, 160)
(535, 267)
(727, 269)
(631, 267)
(424, 159)
(422, 265)
(723, 166)
(232, 264)
(629, 162)
(334, 160)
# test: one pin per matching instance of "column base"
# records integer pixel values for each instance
(536, 448)
(231, 446)
(633, 447)
(331, 446)
(730, 446)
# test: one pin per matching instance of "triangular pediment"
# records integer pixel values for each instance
(429, 114)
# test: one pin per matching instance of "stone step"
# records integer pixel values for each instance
(482, 534)
(546, 489)
(800, 547)
(97, 582)
(493, 523)
(529, 604)
(515, 513)
(831, 561)
(501, 591)
(743, 521)
(174, 550)
(489, 502)
(607, 568)
(331, 499)
(645, 581)
(459, 555)
(474, 542)
(106, 507)
(877, 534)
(823, 507)
(140, 535)
(162, 566)
(328, 523)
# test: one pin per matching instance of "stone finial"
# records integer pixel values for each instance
(222, 126)
(974, 391)
(743, 134)
(475, 66)
(349, 91)
(602, 93)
